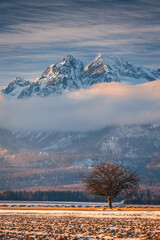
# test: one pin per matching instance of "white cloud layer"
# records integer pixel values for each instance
(88, 109)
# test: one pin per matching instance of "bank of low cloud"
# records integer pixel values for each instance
(87, 109)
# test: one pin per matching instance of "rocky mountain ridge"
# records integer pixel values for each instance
(70, 75)
(59, 158)
(129, 141)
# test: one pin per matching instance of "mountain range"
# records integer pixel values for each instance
(30, 159)
(70, 75)
(57, 159)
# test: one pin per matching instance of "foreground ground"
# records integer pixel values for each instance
(79, 224)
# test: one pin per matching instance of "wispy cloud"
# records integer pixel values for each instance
(127, 28)
(25, 34)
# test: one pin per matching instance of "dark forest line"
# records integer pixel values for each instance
(72, 196)
(140, 197)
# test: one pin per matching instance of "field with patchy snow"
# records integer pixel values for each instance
(108, 224)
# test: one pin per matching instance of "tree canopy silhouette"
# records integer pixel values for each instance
(110, 179)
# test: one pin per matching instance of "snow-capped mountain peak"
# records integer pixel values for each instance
(69, 74)
(100, 71)
(127, 72)
(96, 67)
(16, 87)
(65, 75)
(61, 69)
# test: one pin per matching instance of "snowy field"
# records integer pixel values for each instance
(108, 224)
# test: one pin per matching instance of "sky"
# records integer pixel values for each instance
(37, 33)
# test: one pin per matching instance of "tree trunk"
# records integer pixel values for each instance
(109, 203)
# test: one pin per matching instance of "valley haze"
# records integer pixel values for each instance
(87, 109)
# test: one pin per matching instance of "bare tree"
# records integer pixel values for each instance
(110, 179)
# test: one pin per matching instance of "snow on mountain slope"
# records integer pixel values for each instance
(130, 141)
(67, 75)
(117, 69)
(16, 87)
(9, 141)
(70, 75)
(99, 71)
(135, 141)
